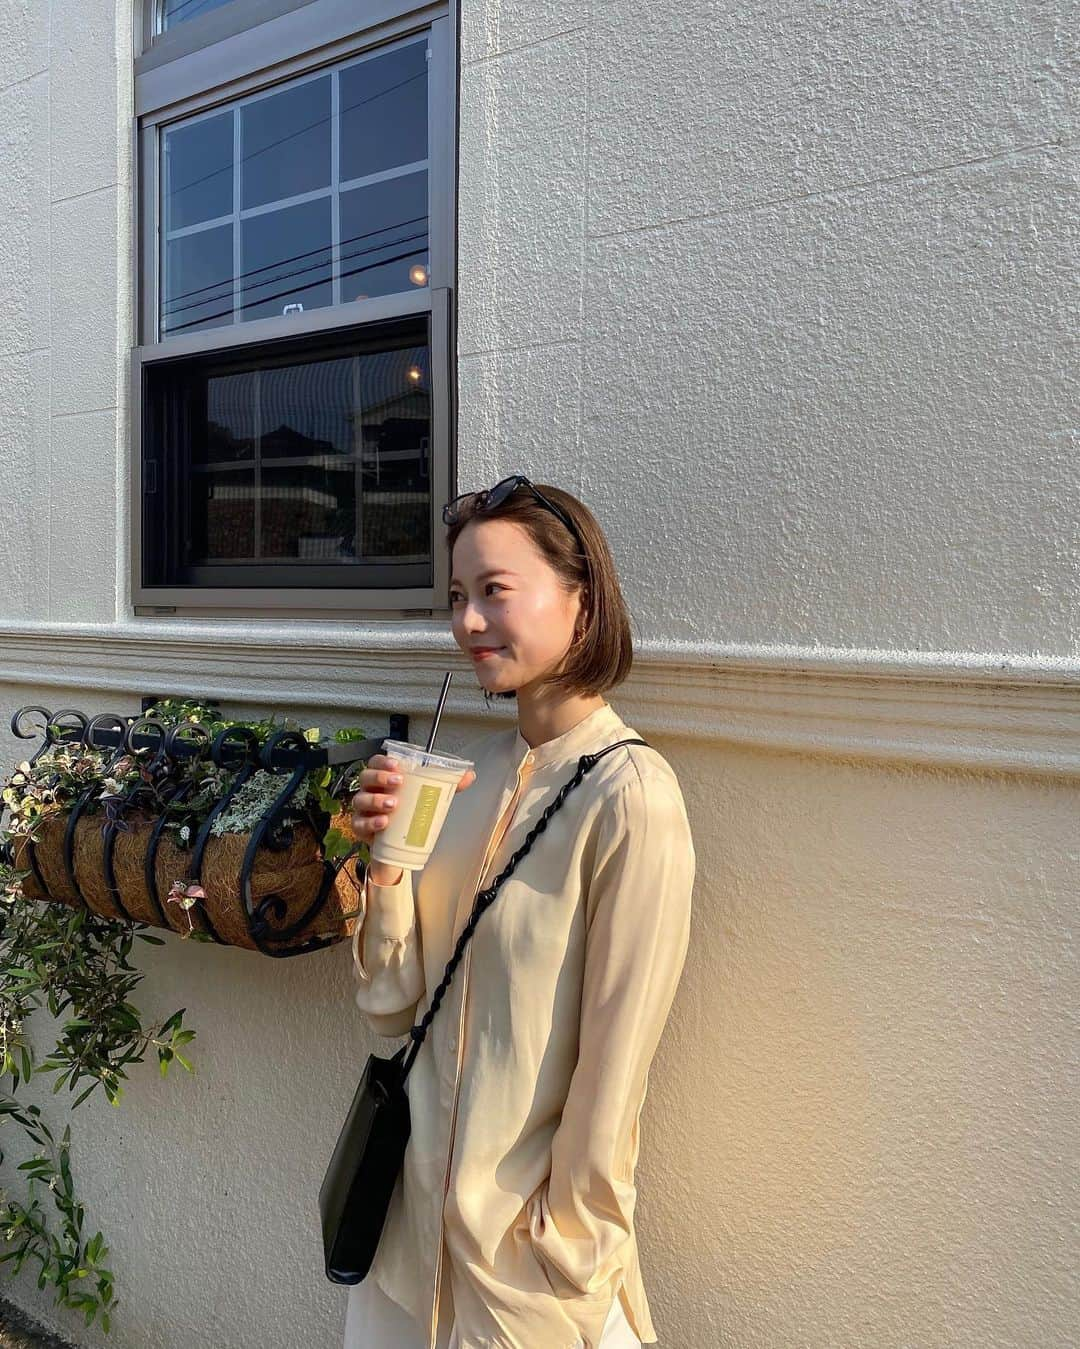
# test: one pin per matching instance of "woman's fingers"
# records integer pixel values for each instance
(369, 808)
(377, 798)
(367, 826)
(381, 771)
(374, 803)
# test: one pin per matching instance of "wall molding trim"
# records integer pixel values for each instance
(1017, 714)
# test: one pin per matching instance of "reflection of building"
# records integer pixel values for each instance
(287, 442)
(348, 459)
(273, 503)
(289, 494)
(222, 444)
(393, 441)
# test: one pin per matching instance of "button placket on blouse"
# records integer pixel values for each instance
(456, 1041)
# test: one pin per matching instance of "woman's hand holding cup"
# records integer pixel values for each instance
(375, 803)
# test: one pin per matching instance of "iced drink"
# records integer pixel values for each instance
(428, 785)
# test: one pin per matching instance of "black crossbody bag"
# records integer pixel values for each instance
(359, 1183)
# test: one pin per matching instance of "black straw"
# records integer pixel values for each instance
(438, 710)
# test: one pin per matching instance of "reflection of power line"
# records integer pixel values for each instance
(246, 300)
(284, 262)
(186, 4)
(214, 173)
(269, 299)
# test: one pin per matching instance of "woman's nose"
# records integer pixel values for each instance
(472, 620)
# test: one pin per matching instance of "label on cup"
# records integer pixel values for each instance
(427, 802)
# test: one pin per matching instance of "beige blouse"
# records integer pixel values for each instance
(518, 1180)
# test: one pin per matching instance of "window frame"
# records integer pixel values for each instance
(202, 30)
(292, 38)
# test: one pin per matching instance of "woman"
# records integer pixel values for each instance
(512, 1225)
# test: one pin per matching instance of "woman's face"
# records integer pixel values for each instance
(505, 595)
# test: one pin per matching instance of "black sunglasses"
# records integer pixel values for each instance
(492, 497)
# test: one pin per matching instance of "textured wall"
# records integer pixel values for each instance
(784, 291)
(860, 1131)
(65, 292)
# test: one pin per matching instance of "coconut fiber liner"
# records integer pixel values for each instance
(48, 853)
(293, 875)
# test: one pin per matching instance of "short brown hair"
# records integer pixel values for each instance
(606, 652)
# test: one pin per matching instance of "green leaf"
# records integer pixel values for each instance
(336, 844)
(83, 1095)
(173, 1023)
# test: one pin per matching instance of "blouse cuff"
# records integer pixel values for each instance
(387, 917)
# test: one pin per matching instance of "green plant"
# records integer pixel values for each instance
(67, 1259)
(76, 965)
(208, 783)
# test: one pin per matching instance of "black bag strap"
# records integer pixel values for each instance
(486, 897)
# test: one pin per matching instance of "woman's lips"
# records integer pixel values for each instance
(482, 653)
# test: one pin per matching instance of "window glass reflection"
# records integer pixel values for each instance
(384, 237)
(301, 459)
(309, 409)
(198, 179)
(223, 518)
(230, 419)
(198, 289)
(286, 259)
(285, 143)
(257, 224)
(384, 112)
(180, 11)
(309, 512)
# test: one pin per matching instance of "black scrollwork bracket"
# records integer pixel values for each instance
(286, 754)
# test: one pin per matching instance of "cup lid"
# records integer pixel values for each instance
(427, 757)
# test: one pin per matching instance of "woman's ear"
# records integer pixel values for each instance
(581, 622)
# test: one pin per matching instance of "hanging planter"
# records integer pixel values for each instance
(234, 832)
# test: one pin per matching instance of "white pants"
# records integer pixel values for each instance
(374, 1321)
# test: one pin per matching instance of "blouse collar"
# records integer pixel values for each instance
(588, 735)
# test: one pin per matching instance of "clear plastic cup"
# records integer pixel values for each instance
(429, 782)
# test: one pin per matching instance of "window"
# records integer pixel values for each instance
(310, 195)
(311, 454)
(173, 12)
(292, 378)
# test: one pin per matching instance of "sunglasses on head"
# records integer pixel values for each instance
(493, 497)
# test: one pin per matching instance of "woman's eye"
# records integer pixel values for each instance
(456, 595)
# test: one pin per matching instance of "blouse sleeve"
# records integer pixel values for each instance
(638, 926)
(387, 950)
(387, 956)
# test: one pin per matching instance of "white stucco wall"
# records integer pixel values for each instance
(784, 292)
